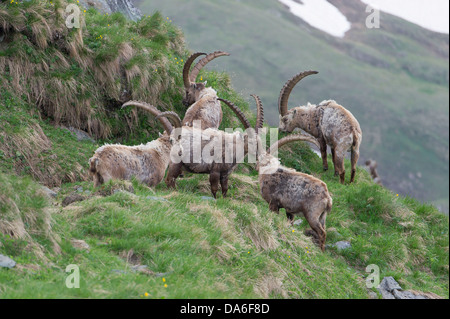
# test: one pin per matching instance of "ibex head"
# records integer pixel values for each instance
(288, 118)
(193, 89)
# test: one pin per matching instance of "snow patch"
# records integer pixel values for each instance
(320, 14)
(429, 14)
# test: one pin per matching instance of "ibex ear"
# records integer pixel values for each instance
(206, 82)
(195, 86)
(295, 111)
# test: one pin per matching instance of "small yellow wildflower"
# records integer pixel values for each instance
(164, 279)
(165, 286)
(146, 294)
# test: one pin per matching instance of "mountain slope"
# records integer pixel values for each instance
(394, 79)
(130, 241)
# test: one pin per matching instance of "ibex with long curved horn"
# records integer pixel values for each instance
(298, 193)
(329, 122)
(147, 163)
(218, 153)
(202, 101)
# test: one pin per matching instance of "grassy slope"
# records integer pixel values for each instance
(228, 248)
(391, 79)
(231, 248)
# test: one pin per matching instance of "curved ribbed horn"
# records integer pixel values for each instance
(238, 112)
(293, 138)
(197, 68)
(172, 116)
(187, 68)
(153, 110)
(260, 113)
(287, 89)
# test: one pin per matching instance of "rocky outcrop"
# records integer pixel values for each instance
(110, 6)
(390, 289)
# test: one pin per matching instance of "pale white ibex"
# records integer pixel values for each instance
(147, 163)
(329, 122)
(202, 101)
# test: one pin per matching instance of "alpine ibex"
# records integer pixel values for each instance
(219, 160)
(372, 165)
(147, 163)
(203, 101)
(297, 193)
(329, 122)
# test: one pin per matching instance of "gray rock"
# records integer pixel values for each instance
(207, 198)
(6, 262)
(298, 222)
(79, 134)
(390, 289)
(372, 294)
(341, 245)
(155, 198)
(49, 192)
(398, 294)
(110, 6)
(387, 288)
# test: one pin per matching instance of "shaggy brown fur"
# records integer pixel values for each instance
(203, 101)
(329, 122)
(207, 109)
(222, 165)
(147, 163)
(372, 165)
(298, 193)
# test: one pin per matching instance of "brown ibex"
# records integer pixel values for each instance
(219, 162)
(147, 163)
(297, 193)
(203, 102)
(329, 122)
(372, 165)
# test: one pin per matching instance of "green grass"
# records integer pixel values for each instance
(234, 247)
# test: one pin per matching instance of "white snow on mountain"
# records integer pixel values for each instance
(429, 14)
(321, 15)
